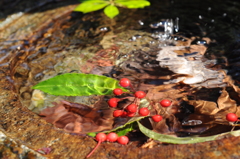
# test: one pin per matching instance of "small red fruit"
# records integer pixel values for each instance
(140, 94)
(157, 118)
(117, 113)
(117, 91)
(132, 108)
(165, 103)
(143, 111)
(231, 117)
(130, 114)
(124, 82)
(113, 102)
(100, 137)
(124, 114)
(112, 137)
(123, 140)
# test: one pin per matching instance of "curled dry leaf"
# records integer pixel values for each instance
(217, 109)
(158, 93)
(78, 118)
(169, 125)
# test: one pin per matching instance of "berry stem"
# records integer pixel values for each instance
(133, 102)
(153, 106)
(99, 142)
(131, 88)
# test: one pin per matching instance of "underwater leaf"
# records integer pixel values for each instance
(225, 102)
(78, 84)
(111, 11)
(91, 5)
(78, 118)
(133, 3)
(183, 140)
(204, 107)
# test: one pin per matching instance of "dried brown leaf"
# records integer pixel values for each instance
(78, 118)
(226, 103)
(204, 107)
(158, 93)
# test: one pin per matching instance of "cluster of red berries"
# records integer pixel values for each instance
(128, 111)
(132, 109)
(111, 137)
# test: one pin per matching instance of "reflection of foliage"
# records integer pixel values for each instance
(110, 6)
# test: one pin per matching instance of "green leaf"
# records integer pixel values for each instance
(111, 11)
(79, 84)
(127, 127)
(132, 3)
(183, 140)
(91, 5)
(92, 134)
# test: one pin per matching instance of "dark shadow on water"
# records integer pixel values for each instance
(9, 7)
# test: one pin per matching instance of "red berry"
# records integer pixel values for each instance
(100, 137)
(231, 117)
(117, 113)
(124, 82)
(130, 114)
(143, 111)
(140, 94)
(132, 108)
(112, 137)
(157, 118)
(165, 103)
(117, 91)
(124, 114)
(123, 140)
(113, 102)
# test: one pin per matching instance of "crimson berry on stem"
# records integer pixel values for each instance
(117, 113)
(124, 114)
(100, 137)
(165, 103)
(130, 114)
(157, 118)
(140, 94)
(113, 102)
(231, 117)
(112, 137)
(123, 140)
(132, 108)
(124, 82)
(117, 91)
(143, 111)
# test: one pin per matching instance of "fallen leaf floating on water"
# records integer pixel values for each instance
(78, 118)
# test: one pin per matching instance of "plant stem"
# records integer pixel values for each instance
(99, 142)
